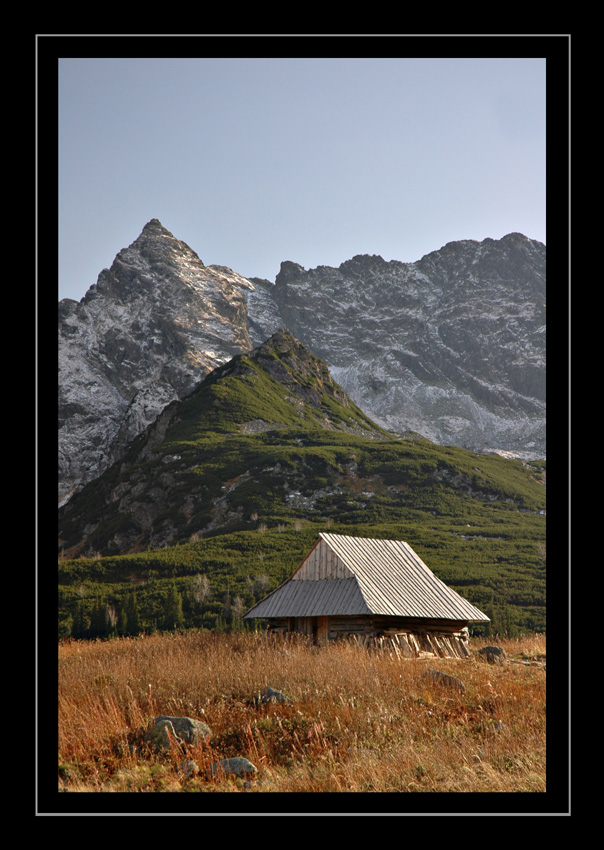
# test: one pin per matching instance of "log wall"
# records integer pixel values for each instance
(405, 637)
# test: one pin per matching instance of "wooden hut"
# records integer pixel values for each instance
(375, 591)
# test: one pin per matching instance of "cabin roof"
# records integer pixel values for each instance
(365, 576)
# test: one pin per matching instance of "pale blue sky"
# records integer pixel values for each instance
(255, 161)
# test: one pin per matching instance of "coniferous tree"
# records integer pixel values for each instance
(121, 626)
(79, 629)
(133, 625)
(226, 606)
(98, 620)
(173, 615)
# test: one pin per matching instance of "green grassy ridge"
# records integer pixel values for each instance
(262, 469)
(244, 389)
(207, 425)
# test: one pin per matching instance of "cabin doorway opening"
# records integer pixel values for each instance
(320, 626)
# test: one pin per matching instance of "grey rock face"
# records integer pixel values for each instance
(263, 314)
(188, 768)
(452, 346)
(146, 333)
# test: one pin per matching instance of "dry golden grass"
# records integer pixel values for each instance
(358, 721)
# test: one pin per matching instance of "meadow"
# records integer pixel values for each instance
(358, 720)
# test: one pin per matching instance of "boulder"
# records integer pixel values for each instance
(186, 728)
(161, 736)
(179, 730)
(493, 654)
(238, 766)
(188, 768)
(270, 695)
(436, 677)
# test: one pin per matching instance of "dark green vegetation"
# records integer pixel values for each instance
(222, 499)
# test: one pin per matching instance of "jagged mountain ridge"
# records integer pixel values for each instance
(452, 346)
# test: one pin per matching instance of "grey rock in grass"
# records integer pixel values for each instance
(181, 731)
(188, 729)
(161, 736)
(188, 768)
(238, 766)
(270, 695)
(436, 677)
(493, 654)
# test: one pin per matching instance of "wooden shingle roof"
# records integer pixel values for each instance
(345, 575)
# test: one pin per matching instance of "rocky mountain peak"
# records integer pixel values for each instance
(155, 235)
(512, 257)
(288, 272)
(281, 340)
(154, 324)
(155, 227)
(296, 368)
(362, 264)
(158, 248)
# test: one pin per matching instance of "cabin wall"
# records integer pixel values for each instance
(409, 638)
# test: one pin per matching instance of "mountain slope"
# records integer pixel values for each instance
(279, 389)
(269, 435)
(145, 334)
